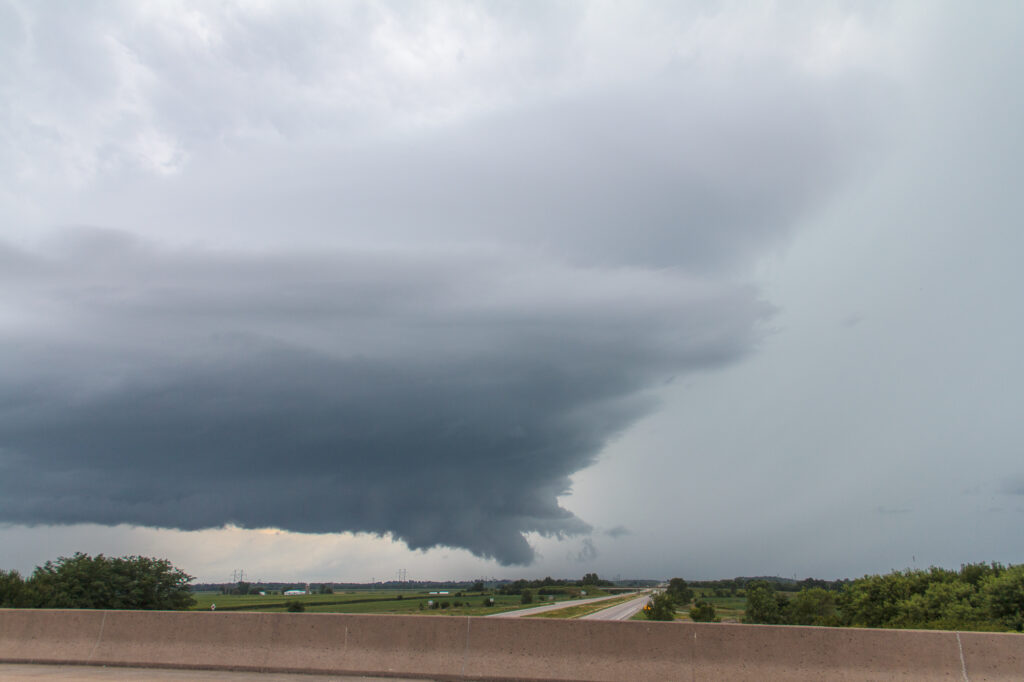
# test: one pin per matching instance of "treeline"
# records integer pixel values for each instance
(243, 588)
(501, 586)
(100, 582)
(734, 586)
(977, 597)
(550, 586)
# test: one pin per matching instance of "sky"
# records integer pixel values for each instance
(326, 291)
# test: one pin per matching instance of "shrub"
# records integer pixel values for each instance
(703, 612)
(660, 607)
(294, 606)
(527, 597)
(100, 582)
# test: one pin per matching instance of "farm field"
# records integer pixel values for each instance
(375, 601)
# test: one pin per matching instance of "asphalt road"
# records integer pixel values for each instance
(623, 611)
(554, 606)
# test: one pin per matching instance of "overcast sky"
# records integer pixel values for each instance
(322, 291)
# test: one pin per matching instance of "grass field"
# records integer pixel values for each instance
(368, 601)
(727, 609)
(234, 602)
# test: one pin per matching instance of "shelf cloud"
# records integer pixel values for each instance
(444, 398)
(314, 271)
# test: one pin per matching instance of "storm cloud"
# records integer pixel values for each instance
(373, 269)
(445, 399)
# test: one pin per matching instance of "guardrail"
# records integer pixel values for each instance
(453, 648)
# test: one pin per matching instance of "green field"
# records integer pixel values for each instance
(369, 601)
(727, 609)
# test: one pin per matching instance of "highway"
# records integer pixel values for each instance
(623, 611)
(554, 606)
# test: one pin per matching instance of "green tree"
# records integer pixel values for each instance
(134, 582)
(679, 591)
(527, 597)
(1004, 597)
(762, 604)
(478, 586)
(660, 607)
(703, 612)
(873, 601)
(14, 593)
(974, 574)
(813, 606)
(947, 604)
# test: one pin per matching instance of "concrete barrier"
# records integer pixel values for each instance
(451, 648)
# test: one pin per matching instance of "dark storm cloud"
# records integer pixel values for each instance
(445, 398)
(452, 264)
